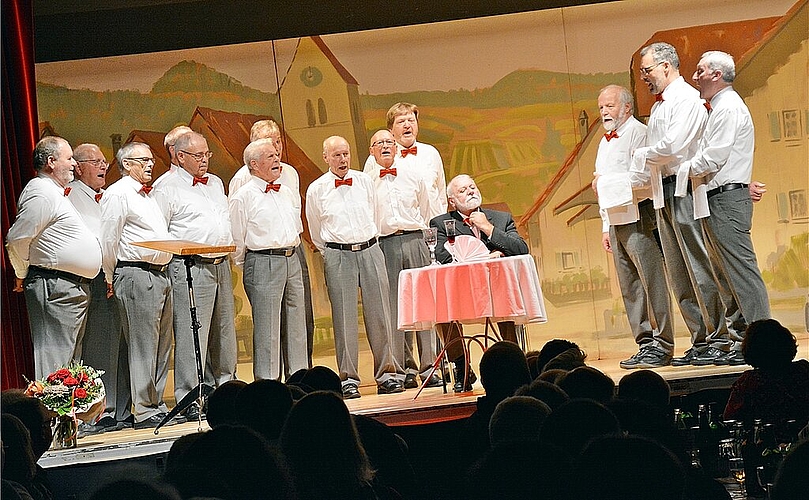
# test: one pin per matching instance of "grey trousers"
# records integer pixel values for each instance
(104, 348)
(274, 283)
(213, 295)
(345, 271)
(727, 233)
(407, 251)
(144, 301)
(690, 274)
(309, 315)
(642, 277)
(57, 313)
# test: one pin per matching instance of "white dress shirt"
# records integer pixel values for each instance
(675, 126)
(197, 213)
(612, 162)
(725, 152)
(50, 233)
(128, 215)
(402, 200)
(341, 215)
(264, 219)
(83, 198)
(168, 173)
(289, 177)
(428, 158)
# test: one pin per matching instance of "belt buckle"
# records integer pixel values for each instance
(288, 252)
(356, 247)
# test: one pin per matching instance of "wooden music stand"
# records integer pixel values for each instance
(188, 250)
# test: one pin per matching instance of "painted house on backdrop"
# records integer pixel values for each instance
(153, 139)
(320, 98)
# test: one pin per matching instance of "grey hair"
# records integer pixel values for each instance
(717, 60)
(124, 153)
(662, 52)
(174, 134)
(263, 129)
(184, 140)
(47, 147)
(253, 150)
(623, 93)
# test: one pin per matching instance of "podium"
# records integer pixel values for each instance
(188, 250)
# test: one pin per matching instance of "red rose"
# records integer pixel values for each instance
(52, 378)
(79, 393)
(62, 373)
(70, 382)
(83, 377)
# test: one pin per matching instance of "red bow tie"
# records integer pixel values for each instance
(146, 189)
(708, 106)
(409, 151)
(98, 197)
(659, 97)
(343, 182)
(467, 221)
(273, 187)
(611, 135)
(199, 180)
(67, 191)
(386, 171)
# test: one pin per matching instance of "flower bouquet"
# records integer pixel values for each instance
(71, 393)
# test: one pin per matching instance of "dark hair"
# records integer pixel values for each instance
(551, 349)
(768, 345)
(645, 385)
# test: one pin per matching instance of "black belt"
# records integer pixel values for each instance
(146, 266)
(669, 179)
(44, 271)
(645, 203)
(210, 260)
(399, 233)
(726, 187)
(354, 247)
(285, 252)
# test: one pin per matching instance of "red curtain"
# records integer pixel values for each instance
(20, 132)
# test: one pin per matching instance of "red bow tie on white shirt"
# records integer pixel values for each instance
(659, 97)
(67, 191)
(98, 197)
(409, 151)
(386, 171)
(273, 187)
(199, 180)
(146, 189)
(342, 182)
(611, 135)
(708, 106)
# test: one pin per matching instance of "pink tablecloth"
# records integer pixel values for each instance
(500, 289)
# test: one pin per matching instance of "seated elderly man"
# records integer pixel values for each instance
(498, 232)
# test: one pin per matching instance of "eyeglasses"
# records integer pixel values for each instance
(384, 142)
(648, 69)
(95, 163)
(142, 159)
(199, 156)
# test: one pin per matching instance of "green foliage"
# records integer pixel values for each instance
(792, 267)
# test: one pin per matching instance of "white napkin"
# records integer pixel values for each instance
(614, 190)
(467, 249)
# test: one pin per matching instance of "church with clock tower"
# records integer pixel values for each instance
(320, 98)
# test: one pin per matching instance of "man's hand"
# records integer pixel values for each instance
(110, 290)
(17, 285)
(605, 242)
(480, 221)
(496, 254)
(757, 190)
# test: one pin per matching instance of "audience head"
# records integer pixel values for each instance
(503, 370)
(768, 345)
(792, 480)
(263, 406)
(571, 426)
(620, 467)
(552, 376)
(517, 418)
(645, 419)
(645, 385)
(135, 489)
(322, 378)
(19, 463)
(222, 403)
(547, 392)
(551, 349)
(568, 360)
(588, 382)
(532, 357)
(33, 414)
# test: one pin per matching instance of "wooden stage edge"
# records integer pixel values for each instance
(393, 409)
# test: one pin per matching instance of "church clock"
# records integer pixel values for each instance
(311, 76)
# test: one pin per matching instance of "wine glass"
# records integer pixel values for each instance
(736, 466)
(430, 238)
(449, 227)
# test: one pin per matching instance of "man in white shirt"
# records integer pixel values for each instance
(403, 122)
(340, 213)
(675, 126)
(266, 220)
(628, 231)
(137, 277)
(194, 203)
(724, 165)
(402, 211)
(104, 346)
(268, 129)
(55, 257)
(168, 143)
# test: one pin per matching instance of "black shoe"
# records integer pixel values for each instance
(152, 422)
(708, 357)
(632, 362)
(410, 381)
(106, 424)
(351, 391)
(459, 380)
(653, 357)
(733, 358)
(686, 358)
(389, 386)
(192, 413)
(434, 381)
